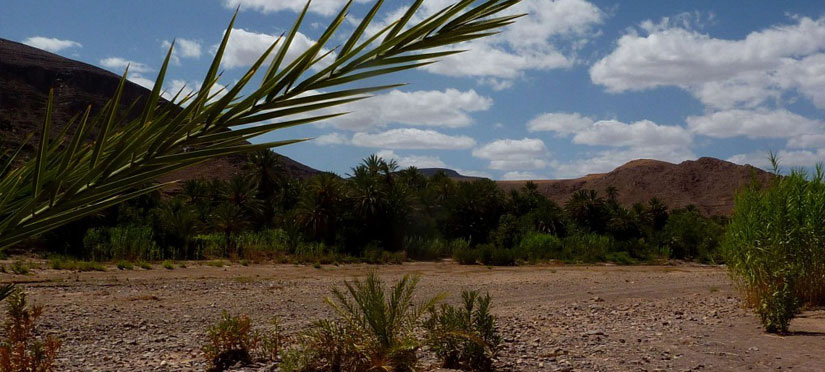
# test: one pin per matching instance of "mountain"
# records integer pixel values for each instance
(708, 183)
(429, 172)
(27, 74)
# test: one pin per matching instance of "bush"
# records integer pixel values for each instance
(21, 350)
(373, 332)
(535, 247)
(125, 265)
(19, 267)
(61, 263)
(689, 235)
(168, 265)
(121, 242)
(464, 337)
(465, 255)
(587, 247)
(421, 249)
(774, 246)
(621, 258)
(493, 255)
(230, 341)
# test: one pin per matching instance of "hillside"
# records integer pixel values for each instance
(27, 74)
(429, 172)
(708, 183)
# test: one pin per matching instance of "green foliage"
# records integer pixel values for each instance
(67, 180)
(19, 267)
(621, 258)
(62, 263)
(125, 265)
(774, 246)
(21, 348)
(464, 337)
(375, 330)
(144, 265)
(466, 255)
(689, 235)
(121, 242)
(230, 341)
(168, 265)
(493, 255)
(588, 247)
(535, 247)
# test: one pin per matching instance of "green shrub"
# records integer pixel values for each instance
(61, 263)
(465, 255)
(621, 258)
(19, 267)
(493, 255)
(168, 265)
(121, 242)
(215, 263)
(464, 337)
(230, 341)
(144, 265)
(774, 246)
(535, 247)
(587, 247)
(689, 235)
(125, 265)
(421, 249)
(375, 331)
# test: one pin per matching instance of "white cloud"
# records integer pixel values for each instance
(639, 134)
(331, 139)
(758, 123)
(245, 47)
(450, 108)
(417, 161)
(720, 73)
(184, 48)
(518, 176)
(787, 158)
(186, 88)
(119, 65)
(411, 138)
(322, 7)
(560, 122)
(546, 38)
(512, 154)
(51, 44)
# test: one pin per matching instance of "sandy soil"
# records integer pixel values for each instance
(553, 318)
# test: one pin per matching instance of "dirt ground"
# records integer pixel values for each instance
(552, 318)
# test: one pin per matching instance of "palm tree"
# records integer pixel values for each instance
(320, 207)
(67, 180)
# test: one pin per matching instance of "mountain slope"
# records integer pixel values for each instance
(708, 183)
(27, 74)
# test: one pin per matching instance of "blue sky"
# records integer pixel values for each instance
(575, 87)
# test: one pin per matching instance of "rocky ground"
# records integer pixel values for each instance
(553, 318)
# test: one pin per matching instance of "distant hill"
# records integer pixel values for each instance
(708, 183)
(429, 172)
(27, 74)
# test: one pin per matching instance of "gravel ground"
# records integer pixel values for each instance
(552, 318)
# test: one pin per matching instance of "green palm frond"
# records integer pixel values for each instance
(67, 181)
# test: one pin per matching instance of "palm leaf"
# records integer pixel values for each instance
(67, 181)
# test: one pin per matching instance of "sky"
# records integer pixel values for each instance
(574, 87)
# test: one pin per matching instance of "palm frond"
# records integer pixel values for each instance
(66, 182)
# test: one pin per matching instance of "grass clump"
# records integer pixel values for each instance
(215, 263)
(231, 341)
(144, 265)
(375, 330)
(125, 265)
(61, 263)
(168, 265)
(464, 337)
(774, 246)
(21, 349)
(19, 267)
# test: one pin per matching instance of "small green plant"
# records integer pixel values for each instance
(19, 267)
(375, 330)
(465, 256)
(230, 341)
(21, 350)
(168, 265)
(493, 255)
(125, 265)
(244, 262)
(215, 263)
(61, 263)
(464, 337)
(317, 265)
(144, 265)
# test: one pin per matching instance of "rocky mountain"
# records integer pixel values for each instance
(429, 172)
(708, 183)
(27, 74)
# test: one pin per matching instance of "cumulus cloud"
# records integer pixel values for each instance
(322, 7)
(760, 123)
(245, 47)
(184, 48)
(548, 37)
(411, 138)
(514, 154)
(517, 176)
(560, 122)
(331, 139)
(605, 161)
(787, 158)
(136, 70)
(720, 73)
(50, 44)
(190, 87)
(450, 108)
(418, 161)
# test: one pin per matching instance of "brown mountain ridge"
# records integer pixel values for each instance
(708, 183)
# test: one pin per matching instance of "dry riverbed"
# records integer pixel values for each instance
(552, 318)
